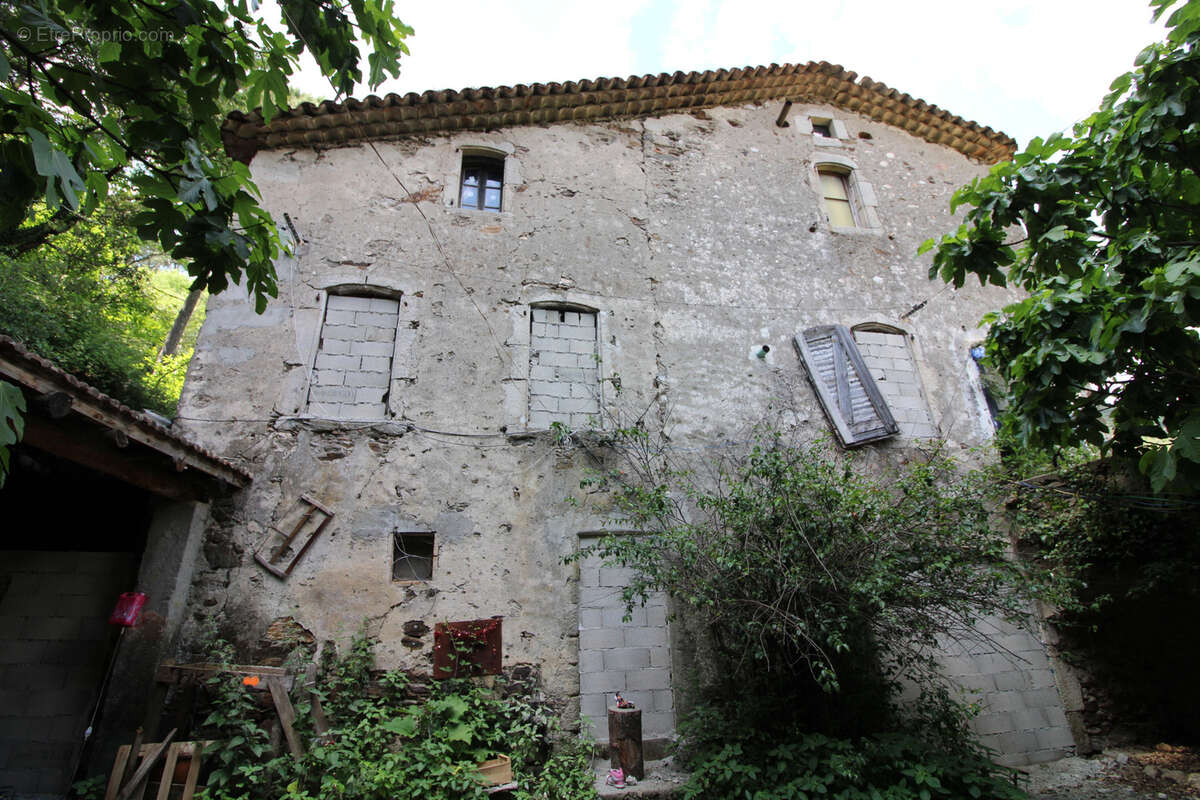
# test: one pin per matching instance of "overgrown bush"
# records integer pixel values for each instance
(820, 586)
(1128, 567)
(733, 757)
(382, 745)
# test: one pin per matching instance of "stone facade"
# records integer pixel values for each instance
(654, 267)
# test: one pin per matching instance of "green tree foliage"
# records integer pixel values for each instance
(91, 302)
(818, 586)
(98, 94)
(1102, 229)
(94, 89)
(816, 590)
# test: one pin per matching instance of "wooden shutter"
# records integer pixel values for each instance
(844, 385)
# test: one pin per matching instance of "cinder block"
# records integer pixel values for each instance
(62, 628)
(571, 318)
(369, 394)
(324, 410)
(541, 402)
(339, 317)
(342, 302)
(600, 639)
(363, 411)
(607, 681)
(580, 421)
(591, 618)
(626, 659)
(664, 700)
(993, 723)
(657, 723)
(384, 306)
(615, 617)
(324, 361)
(539, 420)
(645, 637)
(599, 596)
(616, 576)
(1050, 738)
(589, 575)
(543, 315)
(1017, 742)
(660, 657)
(537, 329)
(1041, 698)
(583, 346)
(649, 679)
(357, 379)
(1007, 681)
(656, 615)
(383, 348)
(549, 388)
(538, 372)
(578, 405)
(591, 661)
(375, 320)
(1004, 701)
(376, 364)
(593, 705)
(1055, 716)
(372, 333)
(330, 394)
(328, 377)
(1029, 719)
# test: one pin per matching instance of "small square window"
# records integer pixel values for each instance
(823, 128)
(413, 555)
(482, 183)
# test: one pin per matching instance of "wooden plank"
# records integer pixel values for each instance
(136, 754)
(139, 777)
(118, 772)
(197, 754)
(287, 716)
(168, 772)
(320, 721)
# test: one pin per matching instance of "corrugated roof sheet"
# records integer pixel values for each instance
(331, 124)
(16, 353)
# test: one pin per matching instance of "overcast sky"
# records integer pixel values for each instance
(1026, 67)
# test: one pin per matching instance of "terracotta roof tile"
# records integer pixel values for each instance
(330, 124)
(14, 352)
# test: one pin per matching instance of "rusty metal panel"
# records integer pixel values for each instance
(470, 647)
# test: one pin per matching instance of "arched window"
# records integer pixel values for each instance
(352, 372)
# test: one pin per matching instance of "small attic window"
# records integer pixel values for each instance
(482, 186)
(823, 128)
(413, 556)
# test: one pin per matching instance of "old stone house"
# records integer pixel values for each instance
(474, 272)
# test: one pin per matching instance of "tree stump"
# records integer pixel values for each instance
(625, 741)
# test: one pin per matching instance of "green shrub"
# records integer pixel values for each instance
(737, 758)
(382, 745)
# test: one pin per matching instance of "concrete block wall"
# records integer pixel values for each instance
(353, 367)
(564, 381)
(633, 658)
(888, 357)
(1022, 715)
(54, 647)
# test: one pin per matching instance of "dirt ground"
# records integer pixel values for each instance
(1165, 772)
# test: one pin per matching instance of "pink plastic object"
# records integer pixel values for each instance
(129, 609)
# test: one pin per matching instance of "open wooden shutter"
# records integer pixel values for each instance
(844, 385)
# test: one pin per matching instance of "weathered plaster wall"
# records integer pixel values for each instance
(697, 238)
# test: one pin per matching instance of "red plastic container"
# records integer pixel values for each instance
(128, 612)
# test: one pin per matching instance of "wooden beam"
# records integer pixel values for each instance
(69, 443)
(109, 417)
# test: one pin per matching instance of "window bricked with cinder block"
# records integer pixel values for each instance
(888, 356)
(352, 372)
(564, 363)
